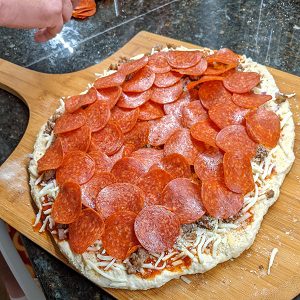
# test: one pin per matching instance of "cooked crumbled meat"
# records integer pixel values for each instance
(280, 98)
(113, 67)
(171, 46)
(48, 175)
(189, 231)
(158, 48)
(136, 260)
(232, 219)
(207, 222)
(261, 154)
(123, 59)
(270, 194)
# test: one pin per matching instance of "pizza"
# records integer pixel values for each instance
(164, 166)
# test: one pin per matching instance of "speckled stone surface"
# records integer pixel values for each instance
(268, 31)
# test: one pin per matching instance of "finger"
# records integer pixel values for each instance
(67, 10)
(46, 34)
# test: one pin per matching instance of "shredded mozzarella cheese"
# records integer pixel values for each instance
(185, 279)
(272, 257)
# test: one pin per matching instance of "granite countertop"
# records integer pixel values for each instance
(268, 31)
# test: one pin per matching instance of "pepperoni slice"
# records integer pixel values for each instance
(75, 102)
(182, 143)
(192, 113)
(133, 100)
(183, 197)
(203, 79)
(125, 118)
(263, 126)
(219, 201)
(68, 122)
(153, 183)
(212, 93)
(209, 164)
(162, 129)
(140, 82)
(133, 65)
(218, 69)
(108, 140)
(84, 232)
(148, 156)
(250, 100)
(238, 172)
(67, 206)
(167, 94)
(241, 82)
(183, 59)
(227, 114)
(158, 63)
(128, 149)
(119, 239)
(110, 95)
(205, 131)
(115, 79)
(196, 70)
(156, 228)
(119, 197)
(224, 56)
(53, 157)
(234, 138)
(138, 136)
(128, 169)
(90, 190)
(150, 111)
(77, 166)
(167, 79)
(102, 162)
(175, 164)
(78, 139)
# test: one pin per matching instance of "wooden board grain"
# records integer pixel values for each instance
(245, 277)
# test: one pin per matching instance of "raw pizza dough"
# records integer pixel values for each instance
(211, 247)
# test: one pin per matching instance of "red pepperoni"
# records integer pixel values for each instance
(77, 166)
(140, 82)
(212, 93)
(119, 197)
(118, 155)
(218, 69)
(192, 113)
(148, 156)
(203, 79)
(128, 149)
(67, 206)
(153, 183)
(103, 163)
(238, 172)
(241, 82)
(90, 189)
(85, 230)
(224, 56)
(219, 201)
(182, 143)
(133, 65)
(115, 79)
(234, 138)
(110, 95)
(133, 100)
(250, 100)
(128, 169)
(209, 164)
(53, 157)
(183, 197)
(150, 111)
(138, 136)
(227, 114)
(108, 140)
(97, 115)
(196, 70)
(205, 131)
(75, 102)
(263, 126)
(78, 139)
(125, 118)
(158, 63)
(183, 59)
(68, 122)
(161, 129)
(119, 239)
(156, 228)
(167, 94)
(167, 79)
(175, 164)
